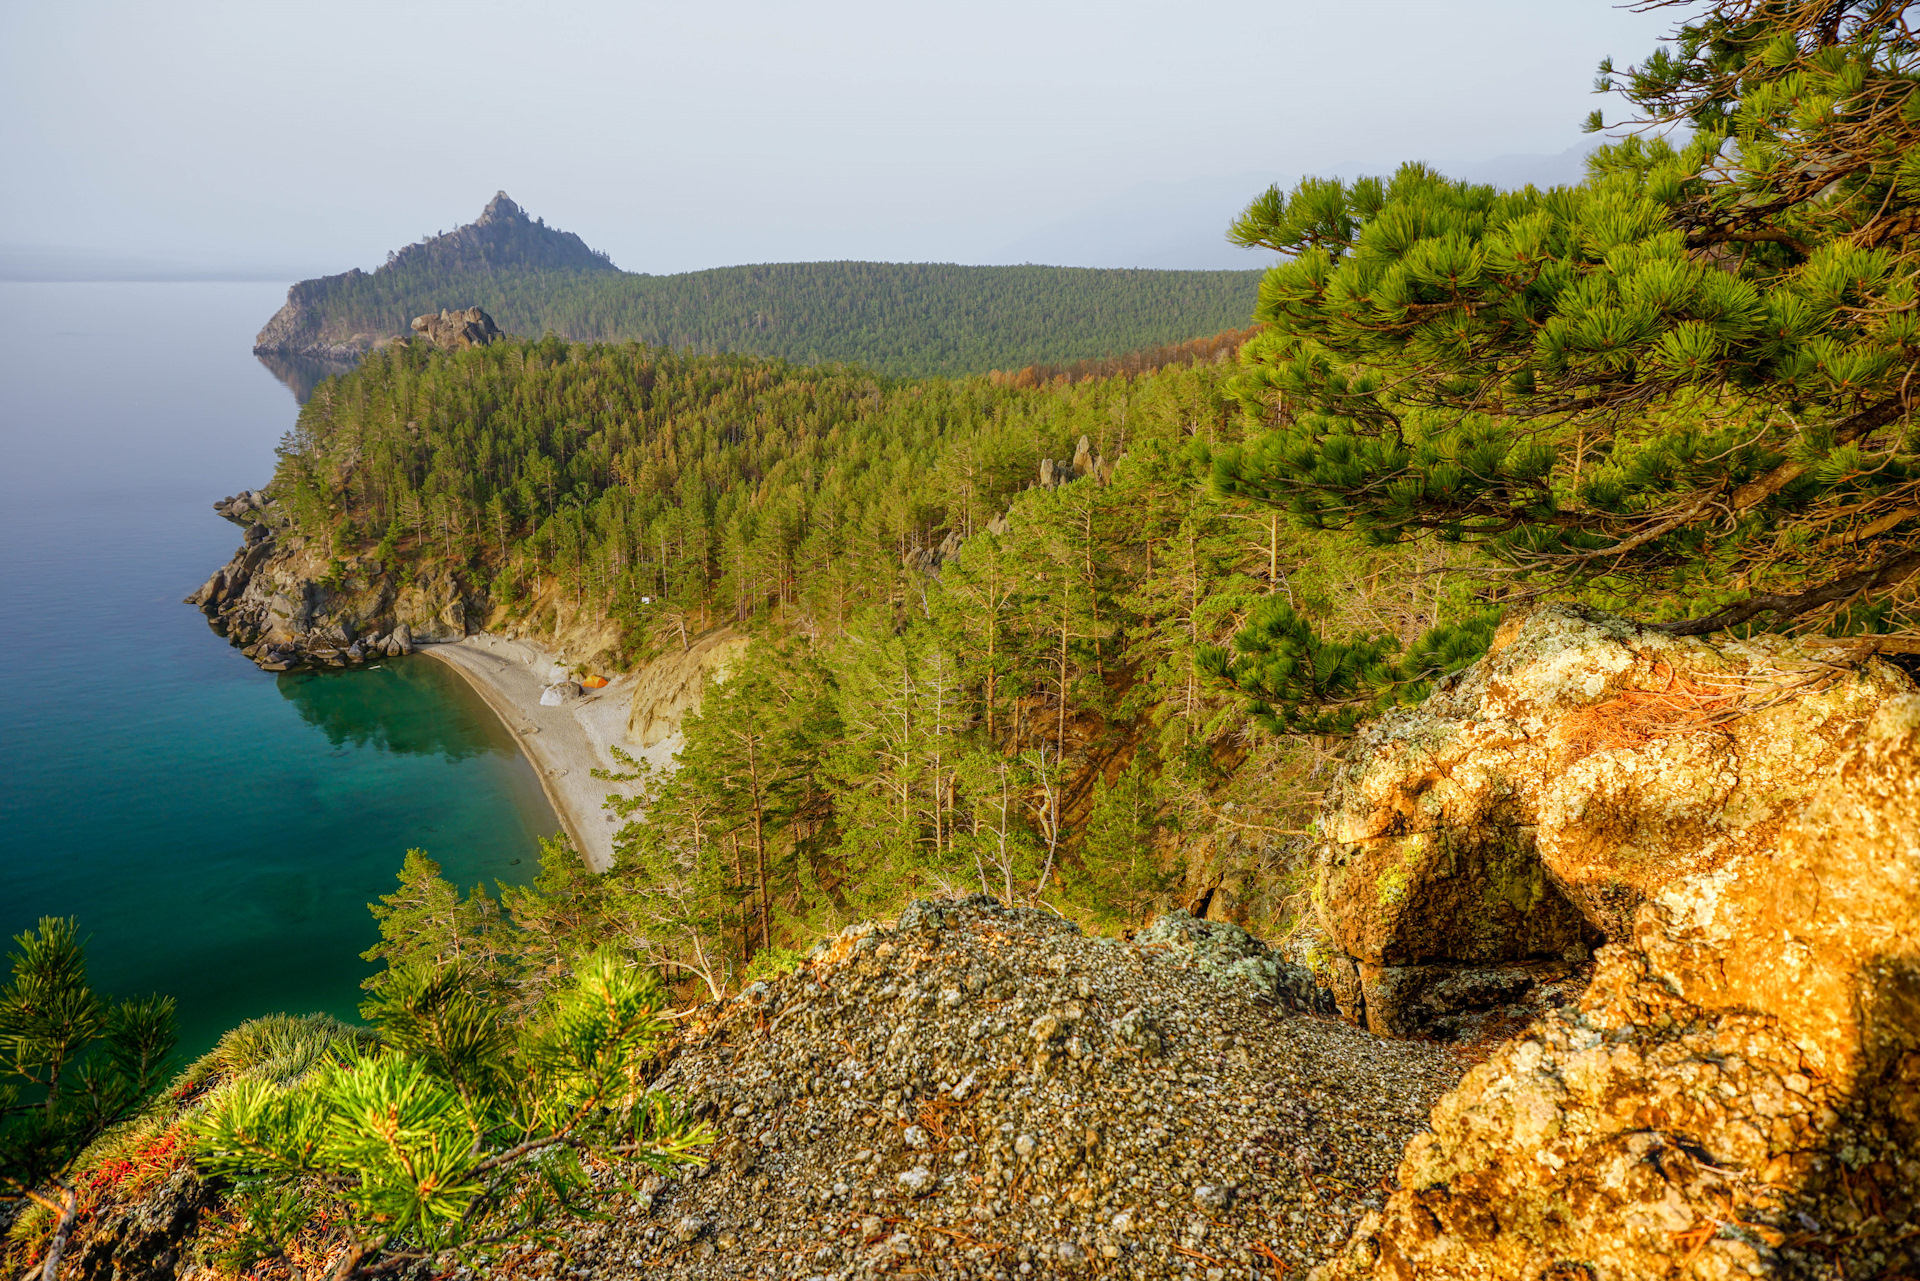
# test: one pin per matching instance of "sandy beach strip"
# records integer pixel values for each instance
(565, 744)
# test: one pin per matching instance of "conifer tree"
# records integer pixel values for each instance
(428, 922)
(1681, 386)
(465, 1130)
(72, 1065)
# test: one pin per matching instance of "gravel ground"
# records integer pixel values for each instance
(985, 1092)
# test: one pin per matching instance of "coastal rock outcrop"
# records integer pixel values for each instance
(1739, 1087)
(456, 330)
(285, 604)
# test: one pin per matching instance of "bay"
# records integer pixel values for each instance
(218, 830)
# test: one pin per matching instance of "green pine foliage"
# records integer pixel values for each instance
(73, 1064)
(1682, 383)
(463, 1129)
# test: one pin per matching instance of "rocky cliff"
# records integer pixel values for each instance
(668, 689)
(285, 603)
(343, 316)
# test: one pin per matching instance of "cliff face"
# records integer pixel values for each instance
(285, 603)
(343, 316)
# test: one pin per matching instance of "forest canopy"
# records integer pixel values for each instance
(893, 318)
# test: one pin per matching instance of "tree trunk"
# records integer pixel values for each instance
(760, 848)
(1061, 734)
(62, 1232)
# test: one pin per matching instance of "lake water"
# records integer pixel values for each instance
(218, 830)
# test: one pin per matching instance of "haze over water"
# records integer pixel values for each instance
(218, 830)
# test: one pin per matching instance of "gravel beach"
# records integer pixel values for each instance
(565, 743)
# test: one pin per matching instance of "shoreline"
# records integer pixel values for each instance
(564, 744)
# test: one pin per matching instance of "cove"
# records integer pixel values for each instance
(219, 831)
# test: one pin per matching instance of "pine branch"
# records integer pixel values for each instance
(1887, 573)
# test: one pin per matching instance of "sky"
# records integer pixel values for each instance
(267, 137)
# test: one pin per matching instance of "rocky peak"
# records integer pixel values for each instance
(342, 317)
(500, 209)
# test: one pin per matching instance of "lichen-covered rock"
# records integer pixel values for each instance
(1524, 812)
(1738, 1092)
(1238, 960)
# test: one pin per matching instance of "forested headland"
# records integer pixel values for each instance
(893, 318)
(960, 677)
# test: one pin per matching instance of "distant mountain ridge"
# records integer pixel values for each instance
(897, 318)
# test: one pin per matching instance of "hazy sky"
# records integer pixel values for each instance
(318, 136)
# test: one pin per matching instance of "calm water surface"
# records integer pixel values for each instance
(217, 829)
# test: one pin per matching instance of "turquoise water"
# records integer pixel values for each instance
(218, 830)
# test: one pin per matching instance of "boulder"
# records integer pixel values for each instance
(561, 692)
(401, 642)
(1237, 960)
(1525, 811)
(1739, 1088)
(1739, 1085)
(457, 329)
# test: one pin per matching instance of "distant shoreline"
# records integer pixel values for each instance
(564, 744)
